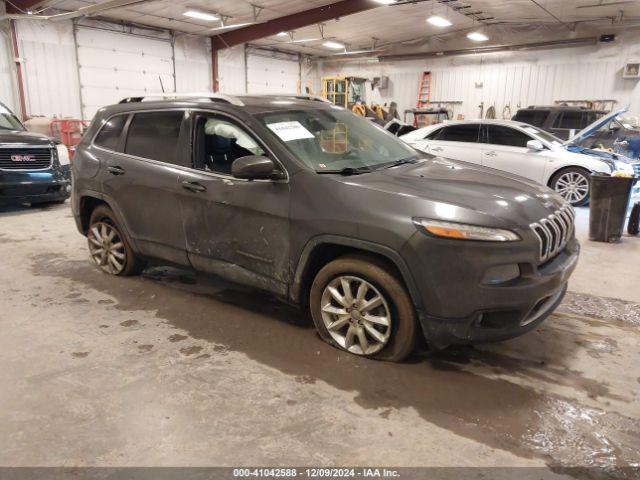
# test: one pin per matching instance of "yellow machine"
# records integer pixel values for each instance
(343, 91)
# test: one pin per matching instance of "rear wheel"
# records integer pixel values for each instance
(108, 247)
(359, 305)
(573, 185)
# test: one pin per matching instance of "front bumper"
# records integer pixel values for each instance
(460, 308)
(35, 186)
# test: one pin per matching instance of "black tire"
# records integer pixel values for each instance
(133, 264)
(575, 171)
(634, 220)
(404, 326)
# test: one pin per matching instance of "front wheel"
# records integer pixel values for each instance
(573, 185)
(359, 305)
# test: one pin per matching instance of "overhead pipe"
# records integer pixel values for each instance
(572, 42)
(89, 10)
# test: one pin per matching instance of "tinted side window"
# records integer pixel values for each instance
(460, 133)
(568, 120)
(532, 117)
(154, 135)
(109, 135)
(433, 134)
(499, 135)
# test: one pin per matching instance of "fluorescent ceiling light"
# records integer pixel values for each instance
(385, 2)
(438, 21)
(477, 37)
(227, 27)
(303, 40)
(209, 17)
(282, 34)
(333, 45)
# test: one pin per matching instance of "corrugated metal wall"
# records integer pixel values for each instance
(232, 70)
(7, 95)
(193, 64)
(509, 79)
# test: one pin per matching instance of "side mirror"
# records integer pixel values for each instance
(535, 145)
(254, 167)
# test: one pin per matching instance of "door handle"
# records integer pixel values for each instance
(115, 170)
(437, 149)
(194, 187)
(491, 154)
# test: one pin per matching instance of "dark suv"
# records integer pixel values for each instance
(33, 168)
(324, 209)
(559, 120)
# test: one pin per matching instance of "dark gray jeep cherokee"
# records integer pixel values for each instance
(323, 209)
(33, 167)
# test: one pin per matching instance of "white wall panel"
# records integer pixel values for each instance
(7, 94)
(272, 74)
(49, 68)
(231, 70)
(513, 79)
(193, 64)
(116, 65)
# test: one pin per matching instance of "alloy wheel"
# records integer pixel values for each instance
(356, 315)
(572, 186)
(106, 247)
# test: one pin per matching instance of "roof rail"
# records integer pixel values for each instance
(214, 97)
(297, 96)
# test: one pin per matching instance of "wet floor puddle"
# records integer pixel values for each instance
(459, 389)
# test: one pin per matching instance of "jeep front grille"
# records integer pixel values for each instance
(553, 232)
(25, 158)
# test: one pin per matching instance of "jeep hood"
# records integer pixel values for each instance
(23, 138)
(464, 192)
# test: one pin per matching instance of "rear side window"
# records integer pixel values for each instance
(155, 135)
(532, 117)
(500, 135)
(109, 135)
(433, 135)
(572, 120)
(460, 133)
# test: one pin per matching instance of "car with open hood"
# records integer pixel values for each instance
(33, 167)
(383, 244)
(525, 150)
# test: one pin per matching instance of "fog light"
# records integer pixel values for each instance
(501, 274)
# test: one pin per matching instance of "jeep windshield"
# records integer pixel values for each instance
(8, 121)
(337, 141)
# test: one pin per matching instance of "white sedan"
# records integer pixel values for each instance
(520, 149)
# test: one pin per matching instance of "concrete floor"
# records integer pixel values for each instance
(172, 369)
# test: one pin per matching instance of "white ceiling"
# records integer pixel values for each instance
(394, 28)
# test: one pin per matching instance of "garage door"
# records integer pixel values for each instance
(270, 72)
(113, 66)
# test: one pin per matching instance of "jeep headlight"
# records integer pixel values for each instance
(463, 231)
(63, 154)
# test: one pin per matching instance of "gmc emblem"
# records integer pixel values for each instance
(22, 158)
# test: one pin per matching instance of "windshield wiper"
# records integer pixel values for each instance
(347, 171)
(402, 161)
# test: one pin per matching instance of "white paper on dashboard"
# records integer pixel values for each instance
(289, 131)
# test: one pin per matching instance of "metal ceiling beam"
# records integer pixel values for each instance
(291, 22)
